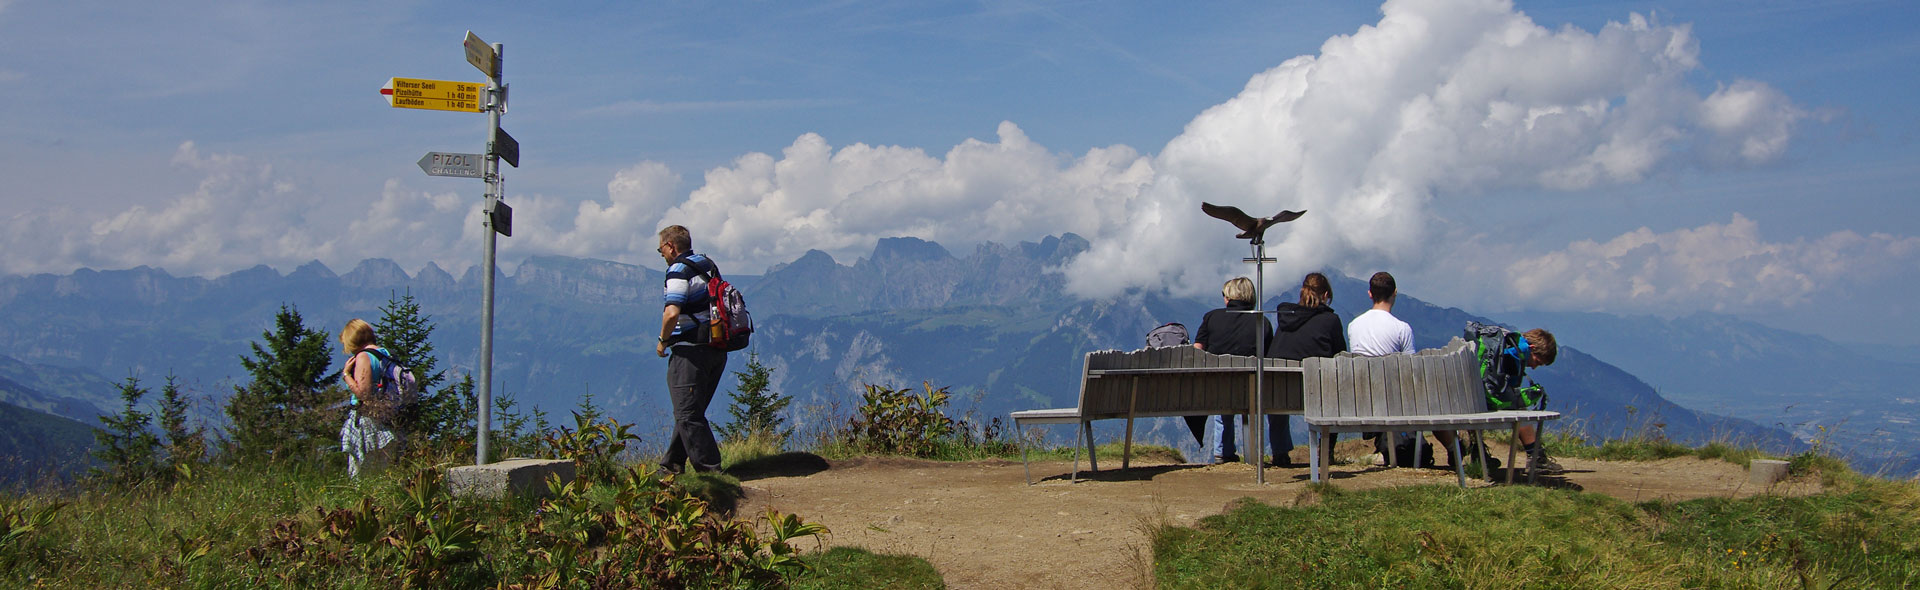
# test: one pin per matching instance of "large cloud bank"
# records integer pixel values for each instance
(1380, 136)
(1440, 97)
(1719, 267)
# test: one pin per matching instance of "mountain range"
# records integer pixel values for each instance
(992, 324)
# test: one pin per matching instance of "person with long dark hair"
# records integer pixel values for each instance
(1309, 328)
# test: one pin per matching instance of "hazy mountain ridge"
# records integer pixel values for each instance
(993, 325)
(910, 273)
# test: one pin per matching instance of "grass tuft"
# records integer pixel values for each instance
(850, 568)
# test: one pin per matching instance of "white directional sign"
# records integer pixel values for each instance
(481, 55)
(446, 164)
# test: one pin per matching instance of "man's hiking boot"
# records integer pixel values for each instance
(1539, 462)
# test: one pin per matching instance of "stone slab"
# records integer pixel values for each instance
(1766, 472)
(517, 477)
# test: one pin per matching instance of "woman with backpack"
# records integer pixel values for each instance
(368, 433)
(1309, 328)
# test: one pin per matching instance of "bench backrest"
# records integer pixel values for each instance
(1442, 380)
(1171, 386)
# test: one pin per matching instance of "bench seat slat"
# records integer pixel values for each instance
(1184, 371)
(1432, 420)
(1048, 416)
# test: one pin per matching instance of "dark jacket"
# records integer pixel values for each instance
(1308, 332)
(1230, 330)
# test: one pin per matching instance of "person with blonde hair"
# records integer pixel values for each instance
(368, 436)
(1309, 328)
(1236, 329)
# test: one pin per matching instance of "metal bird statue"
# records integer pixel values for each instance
(1251, 228)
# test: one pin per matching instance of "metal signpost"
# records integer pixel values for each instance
(469, 97)
(1257, 424)
(1254, 230)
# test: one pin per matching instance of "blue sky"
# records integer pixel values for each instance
(1754, 158)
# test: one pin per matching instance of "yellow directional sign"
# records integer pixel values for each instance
(439, 95)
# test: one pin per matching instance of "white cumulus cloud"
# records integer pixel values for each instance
(764, 209)
(1726, 267)
(243, 213)
(1440, 98)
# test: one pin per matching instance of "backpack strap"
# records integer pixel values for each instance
(375, 357)
(710, 270)
(386, 362)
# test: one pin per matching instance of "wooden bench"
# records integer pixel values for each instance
(1172, 381)
(1434, 389)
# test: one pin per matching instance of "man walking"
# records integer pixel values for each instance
(695, 369)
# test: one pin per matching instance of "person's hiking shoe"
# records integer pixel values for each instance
(1539, 462)
(1218, 459)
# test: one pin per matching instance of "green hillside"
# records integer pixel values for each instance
(36, 444)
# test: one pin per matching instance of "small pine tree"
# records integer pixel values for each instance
(128, 450)
(407, 335)
(518, 434)
(280, 413)
(756, 408)
(186, 446)
(445, 419)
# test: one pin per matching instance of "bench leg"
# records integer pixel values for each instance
(1419, 438)
(1313, 451)
(1023, 452)
(1093, 457)
(1126, 448)
(1393, 448)
(1511, 447)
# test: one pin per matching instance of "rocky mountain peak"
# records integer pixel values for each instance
(375, 273)
(893, 250)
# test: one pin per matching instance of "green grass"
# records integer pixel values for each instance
(847, 568)
(1644, 448)
(150, 537)
(1862, 533)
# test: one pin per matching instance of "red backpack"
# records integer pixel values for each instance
(730, 325)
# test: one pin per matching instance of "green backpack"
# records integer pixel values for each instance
(1503, 367)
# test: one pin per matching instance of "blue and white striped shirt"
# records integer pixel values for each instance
(687, 288)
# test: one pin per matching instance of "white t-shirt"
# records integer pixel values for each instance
(1378, 333)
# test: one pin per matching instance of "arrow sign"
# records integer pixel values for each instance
(481, 55)
(446, 164)
(506, 147)
(438, 95)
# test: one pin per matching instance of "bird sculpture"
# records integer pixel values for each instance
(1251, 228)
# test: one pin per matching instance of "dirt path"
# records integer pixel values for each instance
(982, 526)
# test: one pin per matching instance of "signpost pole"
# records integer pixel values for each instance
(484, 420)
(1256, 424)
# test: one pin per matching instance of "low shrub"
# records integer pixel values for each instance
(900, 421)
